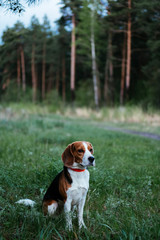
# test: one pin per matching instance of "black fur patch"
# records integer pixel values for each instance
(67, 175)
(53, 190)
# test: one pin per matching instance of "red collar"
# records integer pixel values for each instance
(77, 169)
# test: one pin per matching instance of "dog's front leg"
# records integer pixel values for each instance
(80, 212)
(67, 210)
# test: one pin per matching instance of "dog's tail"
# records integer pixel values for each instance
(26, 202)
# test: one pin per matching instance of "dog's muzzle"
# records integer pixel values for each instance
(91, 160)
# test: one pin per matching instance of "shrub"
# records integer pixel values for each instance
(15, 94)
(85, 94)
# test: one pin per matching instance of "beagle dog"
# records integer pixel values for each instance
(70, 186)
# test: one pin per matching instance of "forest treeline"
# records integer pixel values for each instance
(103, 53)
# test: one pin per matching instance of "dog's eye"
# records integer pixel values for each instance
(80, 150)
(91, 150)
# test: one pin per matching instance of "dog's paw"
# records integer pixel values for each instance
(82, 225)
(69, 227)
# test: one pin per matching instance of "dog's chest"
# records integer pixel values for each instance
(79, 186)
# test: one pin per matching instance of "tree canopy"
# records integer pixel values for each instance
(117, 51)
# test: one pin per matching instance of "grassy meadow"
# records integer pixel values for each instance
(123, 201)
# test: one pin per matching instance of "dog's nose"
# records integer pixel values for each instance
(91, 159)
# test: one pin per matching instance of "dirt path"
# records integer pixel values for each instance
(143, 134)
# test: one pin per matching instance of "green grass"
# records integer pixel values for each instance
(123, 200)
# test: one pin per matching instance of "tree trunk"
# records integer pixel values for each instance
(44, 71)
(128, 70)
(33, 70)
(63, 78)
(106, 83)
(73, 58)
(6, 77)
(18, 69)
(23, 69)
(110, 59)
(108, 89)
(50, 80)
(57, 80)
(94, 66)
(123, 71)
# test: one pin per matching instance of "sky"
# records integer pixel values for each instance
(49, 7)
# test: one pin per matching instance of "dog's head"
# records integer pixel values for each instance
(78, 154)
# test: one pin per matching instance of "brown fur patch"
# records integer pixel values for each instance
(67, 156)
(90, 147)
(79, 151)
(63, 187)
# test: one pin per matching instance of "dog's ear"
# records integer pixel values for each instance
(67, 155)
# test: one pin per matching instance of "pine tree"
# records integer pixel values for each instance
(34, 32)
(128, 64)
(20, 32)
(123, 70)
(14, 48)
(70, 10)
(148, 24)
(119, 21)
(87, 32)
(45, 33)
(63, 44)
(16, 6)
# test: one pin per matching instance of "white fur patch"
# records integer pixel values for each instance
(79, 186)
(26, 202)
(87, 154)
(52, 208)
(76, 195)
